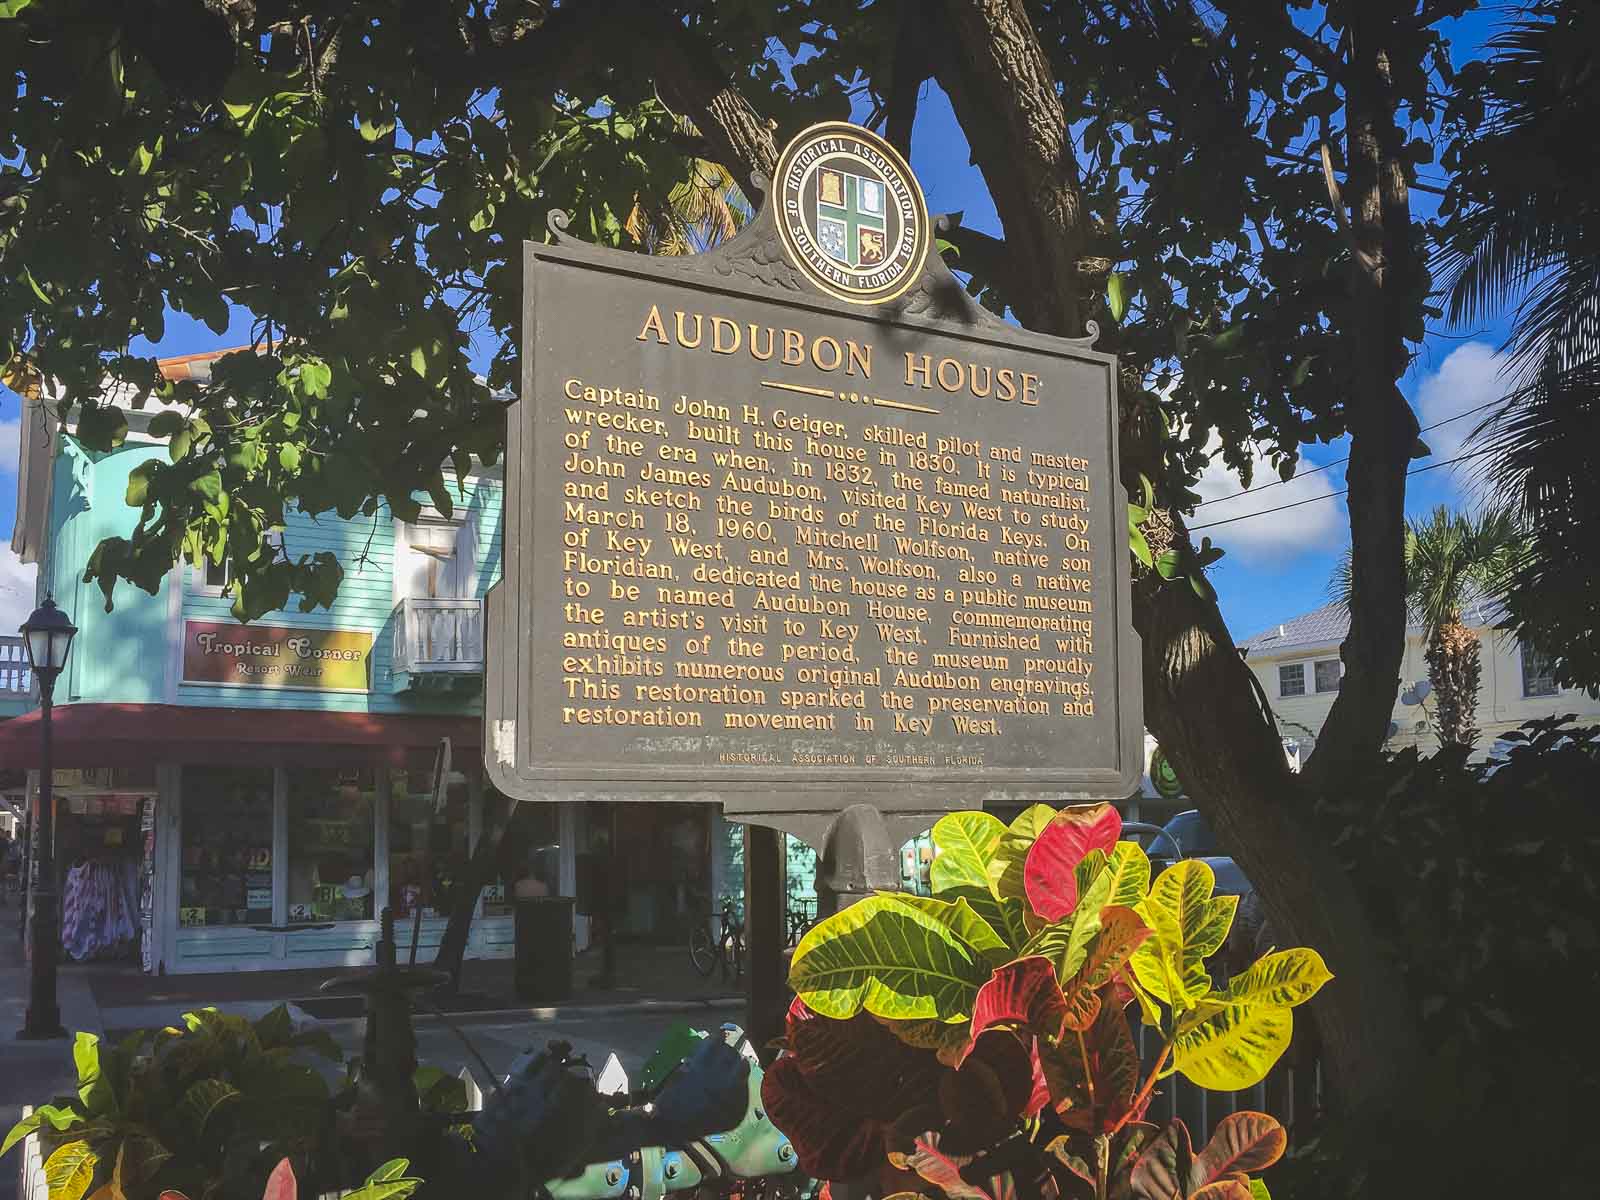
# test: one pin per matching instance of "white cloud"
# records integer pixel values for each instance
(1266, 533)
(1468, 378)
(16, 590)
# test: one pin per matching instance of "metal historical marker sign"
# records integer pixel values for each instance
(795, 524)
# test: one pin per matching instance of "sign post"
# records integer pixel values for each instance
(796, 526)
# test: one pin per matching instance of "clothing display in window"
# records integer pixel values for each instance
(98, 909)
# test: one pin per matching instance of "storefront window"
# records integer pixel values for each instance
(331, 833)
(427, 850)
(226, 847)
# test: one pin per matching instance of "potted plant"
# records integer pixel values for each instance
(978, 1043)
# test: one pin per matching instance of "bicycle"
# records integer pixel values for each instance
(707, 954)
(801, 919)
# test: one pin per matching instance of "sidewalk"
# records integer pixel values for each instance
(658, 978)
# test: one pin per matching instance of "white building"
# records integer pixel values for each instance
(1298, 665)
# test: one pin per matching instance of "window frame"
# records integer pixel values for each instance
(1527, 651)
(1294, 666)
(200, 577)
(1316, 677)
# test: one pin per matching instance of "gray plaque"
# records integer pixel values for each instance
(773, 544)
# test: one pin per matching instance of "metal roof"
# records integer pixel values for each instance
(1328, 626)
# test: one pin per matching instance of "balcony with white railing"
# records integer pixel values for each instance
(437, 642)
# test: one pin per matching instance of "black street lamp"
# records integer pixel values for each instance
(48, 636)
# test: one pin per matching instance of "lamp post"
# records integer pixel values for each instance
(48, 636)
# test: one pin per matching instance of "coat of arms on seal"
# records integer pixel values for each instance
(850, 213)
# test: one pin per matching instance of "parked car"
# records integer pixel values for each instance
(1188, 836)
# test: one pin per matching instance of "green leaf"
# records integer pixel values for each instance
(1139, 545)
(201, 1101)
(889, 958)
(289, 456)
(963, 921)
(372, 131)
(209, 486)
(139, 483)
(10, 8)
(1009, 859)
(1231, 1047)
(395, 1168)
(94, 1090)
(1117, 295)
(167, 423)
(1121, 932)
(70, 1170)
(27, 277)
(21, 1130)
(1258, 1190)
(965, 842)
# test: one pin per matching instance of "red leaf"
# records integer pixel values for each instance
(1122, 931)
(1041, 1086)
(1165, 1163)
(1244, 1141)
(1050, 873)
(983, 1101)
(1022, 993)
(281, 1183)
(1093, 1075)
(863, 1065)
(943, 1172)
(831, 1139)
(1223, 1189)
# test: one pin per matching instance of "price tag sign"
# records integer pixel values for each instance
(189, 917)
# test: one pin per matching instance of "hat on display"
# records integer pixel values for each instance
(356, 888)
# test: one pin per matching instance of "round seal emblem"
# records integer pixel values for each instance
(850, 214)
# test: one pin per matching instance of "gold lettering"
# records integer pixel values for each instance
(652, 322)
(794, 347)
(816, 353)
(754, 352)
(683, 338)
(718, 324)
(1030, 388)
(960, 375)
(988, 381)
(912, 368)
(1007, 386)
(860, 356)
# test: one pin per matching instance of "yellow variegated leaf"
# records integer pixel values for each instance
(1283, 979)
(70, 1170)
(1232, 1047)
(1189, 925)
(891, 959)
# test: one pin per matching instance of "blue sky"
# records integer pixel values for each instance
(1277, 564)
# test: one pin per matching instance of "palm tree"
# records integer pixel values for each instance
(698, 212)
(1452, 559)
(1523, 230)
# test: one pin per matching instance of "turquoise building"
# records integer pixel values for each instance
(260, 793)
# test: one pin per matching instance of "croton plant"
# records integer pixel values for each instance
(978, 1043)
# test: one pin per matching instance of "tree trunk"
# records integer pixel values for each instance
(464, 897)
(1200, 699)
(1205, 708)
(1385, 280)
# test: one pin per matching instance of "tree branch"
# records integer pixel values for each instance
(989, 61)
(910, 68)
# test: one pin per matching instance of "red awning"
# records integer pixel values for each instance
(132, 735)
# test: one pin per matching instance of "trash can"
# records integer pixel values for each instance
(544, 948)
